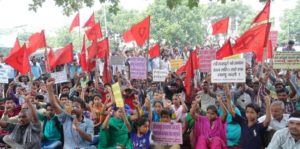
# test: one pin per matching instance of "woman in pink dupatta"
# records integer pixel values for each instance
(210, 130)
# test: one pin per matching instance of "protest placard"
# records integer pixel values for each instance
(286, 60)
(117, 60)
(176, 63)
(166, 133)
(138, 68)
(160, 75)
(60, 77)
(273, 36)
(228, 71)
(3, 76)
(236, 56)
(117, 94)
(205, 58)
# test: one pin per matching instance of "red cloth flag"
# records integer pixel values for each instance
(270, 49)
(189, 68)
(92, 50)
(180, 70)
(90, 22)
(154, 51)
(220, 26)
(82, 56)
(224, 51)
(264, 14)
(94, 33)
(16, 47)
(254, 39)
(106, 71)
(19, 60)
(36, 41)
(141, 31)
(127, 36)
(63, 56)
(103, 48)
(75, 22)
(49, 60)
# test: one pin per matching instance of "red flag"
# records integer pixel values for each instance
(189, 69)
(264, 14)
(16, 47)
(154, 51)
(180, 70)
(224, 51)
(220, 26)
(49, 60)
(82, 56)
(94, 33)
(127, 36)
(63, 56)
(270, 49)
(141, 31)
(36, 41)
(75, 22)
(106, 71)
(103, 48)
(19, 60)
(92, 50)
(90, 22)
(254, 39)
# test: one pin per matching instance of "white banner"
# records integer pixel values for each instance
(3, 76)
(228, 71)
(60, 77)
(159, 75)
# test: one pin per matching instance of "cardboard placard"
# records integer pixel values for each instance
(176, 63)
(228, 71)
(117, 94)
(138, 68)
(286, 60)
(60, 77)
(166, 133)
(205, 58)
(160, 75)
(117, 60)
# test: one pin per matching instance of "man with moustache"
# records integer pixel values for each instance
(288, 138)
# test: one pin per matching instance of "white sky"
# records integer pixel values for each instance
(15, 16)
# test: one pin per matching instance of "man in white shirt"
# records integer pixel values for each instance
(288, 138)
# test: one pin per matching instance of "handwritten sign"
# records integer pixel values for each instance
(3, 76)
(205, 58)
(117, 94)
(176, 63)
(228, 71)
(159, 75)
(165, 133)
(117, 60)
(60, 77)
(138, 68)
(286, 60)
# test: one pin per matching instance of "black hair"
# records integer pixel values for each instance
(295, 114)
(161, 103)
(40, 97)
(64, 95)
(89, 83)
(48, 105)
(140, 122)
(166, 112)
(97, 95)
(282, 90)
(81, 102)
(213, 108)
(291, 42)
(253, 106)
(65, 87)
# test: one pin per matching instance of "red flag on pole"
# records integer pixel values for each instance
(224, 51)
(92, 50)
(94, 33)
(255, 39)
(141, 31)
(82, 56)
(264, 14)
(36, 41)
(106, 70)
(63, 56)
(154, 51)
(19, 60)
(103, 48)
(270, 49)
(90, 22)
(127, 36)
(50, 58)
(189, 69)
(16, 47)
(220, 26)
(75, 22)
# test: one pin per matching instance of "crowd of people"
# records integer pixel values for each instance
(263, 112)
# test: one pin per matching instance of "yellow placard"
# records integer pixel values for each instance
(236, 56)
(176, 63)
(117, 94)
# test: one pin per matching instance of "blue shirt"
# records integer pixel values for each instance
(250, 136)
(72, 139)
(142, 142)
(36, 70)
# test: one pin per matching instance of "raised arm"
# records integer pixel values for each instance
(32, 109)
(224, 111)
(268, 111)
(52, 98)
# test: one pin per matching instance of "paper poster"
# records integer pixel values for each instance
(176, 63)
(138, 68)
(166, 133)
(3, 76)
(60, 77)
(286, 60)
(118, 95)
(205, 58)
(117, 60)
(236, 56)
(228, 71)
(160, 75)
